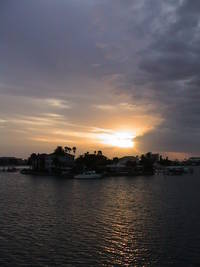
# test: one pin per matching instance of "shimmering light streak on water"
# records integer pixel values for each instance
(143, 221)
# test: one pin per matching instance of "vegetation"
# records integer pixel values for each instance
(95, 161)
(60, 151)
(147, 163)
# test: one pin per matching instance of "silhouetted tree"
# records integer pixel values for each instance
(99, 153)
(74, 150)
(68, 149)
(59, 151)
(147, 163)
(92, 161)
(166, 161)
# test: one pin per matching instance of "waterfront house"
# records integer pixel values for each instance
(59, 162)
(123, 164)
(53, 162)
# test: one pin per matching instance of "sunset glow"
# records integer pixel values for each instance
(118, 139)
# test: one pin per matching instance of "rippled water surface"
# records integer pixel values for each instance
(142, 221)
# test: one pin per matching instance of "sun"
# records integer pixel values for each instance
(118, 139)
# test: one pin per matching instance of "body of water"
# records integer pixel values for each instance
(123, 221)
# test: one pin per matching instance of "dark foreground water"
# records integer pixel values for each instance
(143, 221)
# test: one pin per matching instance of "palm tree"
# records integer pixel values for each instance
(74, 150)
(67, 149)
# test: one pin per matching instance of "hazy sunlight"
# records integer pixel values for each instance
(118, 139)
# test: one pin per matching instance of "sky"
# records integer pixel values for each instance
(120, 76)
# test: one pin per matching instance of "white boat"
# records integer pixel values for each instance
(88, 175)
